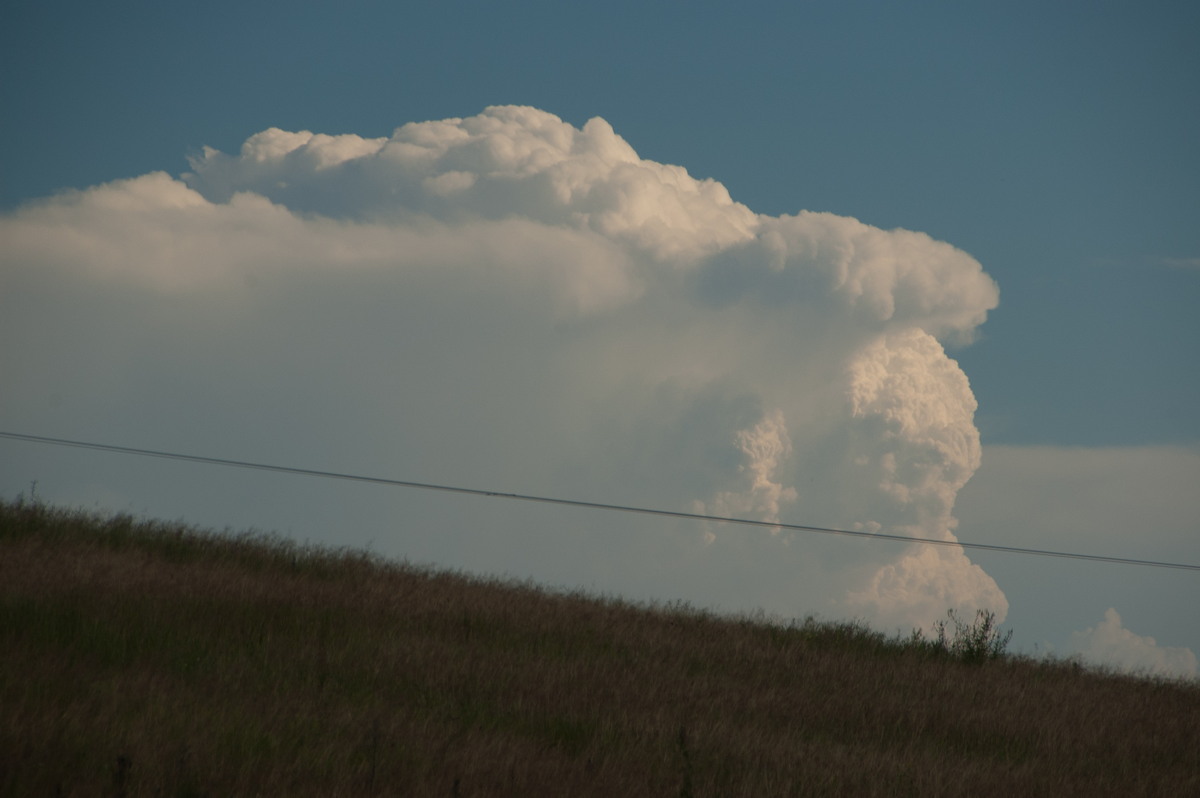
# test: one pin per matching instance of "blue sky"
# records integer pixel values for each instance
(1053, 143)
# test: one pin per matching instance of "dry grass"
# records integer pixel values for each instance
(150, 659)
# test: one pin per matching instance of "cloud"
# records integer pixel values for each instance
(765, 446)
(509, 162)
(1134, 501)
(1111, 644)
(509, 301)
(1182, 263)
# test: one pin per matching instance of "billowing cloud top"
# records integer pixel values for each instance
(509, 294)
(522, 163)
(506, 163)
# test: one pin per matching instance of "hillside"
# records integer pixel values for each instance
(142, 658)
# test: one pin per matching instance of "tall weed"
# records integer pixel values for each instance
(973, 643)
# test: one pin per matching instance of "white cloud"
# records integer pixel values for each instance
(508, 301)
(508, 162)
(916, 590)
(912, 421)
(1110, 643)
(765, 446)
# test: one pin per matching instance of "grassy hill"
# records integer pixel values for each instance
(141, 658)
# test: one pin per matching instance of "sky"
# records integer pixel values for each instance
(925, 270)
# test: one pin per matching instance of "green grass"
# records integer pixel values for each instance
(141, 658)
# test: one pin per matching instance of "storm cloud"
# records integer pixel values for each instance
(510, 302)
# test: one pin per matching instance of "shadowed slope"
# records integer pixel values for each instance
(152, 659)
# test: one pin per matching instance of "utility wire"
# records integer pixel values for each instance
(399, 483)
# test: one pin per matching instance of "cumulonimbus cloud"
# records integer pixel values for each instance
(510, 294)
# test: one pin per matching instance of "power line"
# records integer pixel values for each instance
(399, 483)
